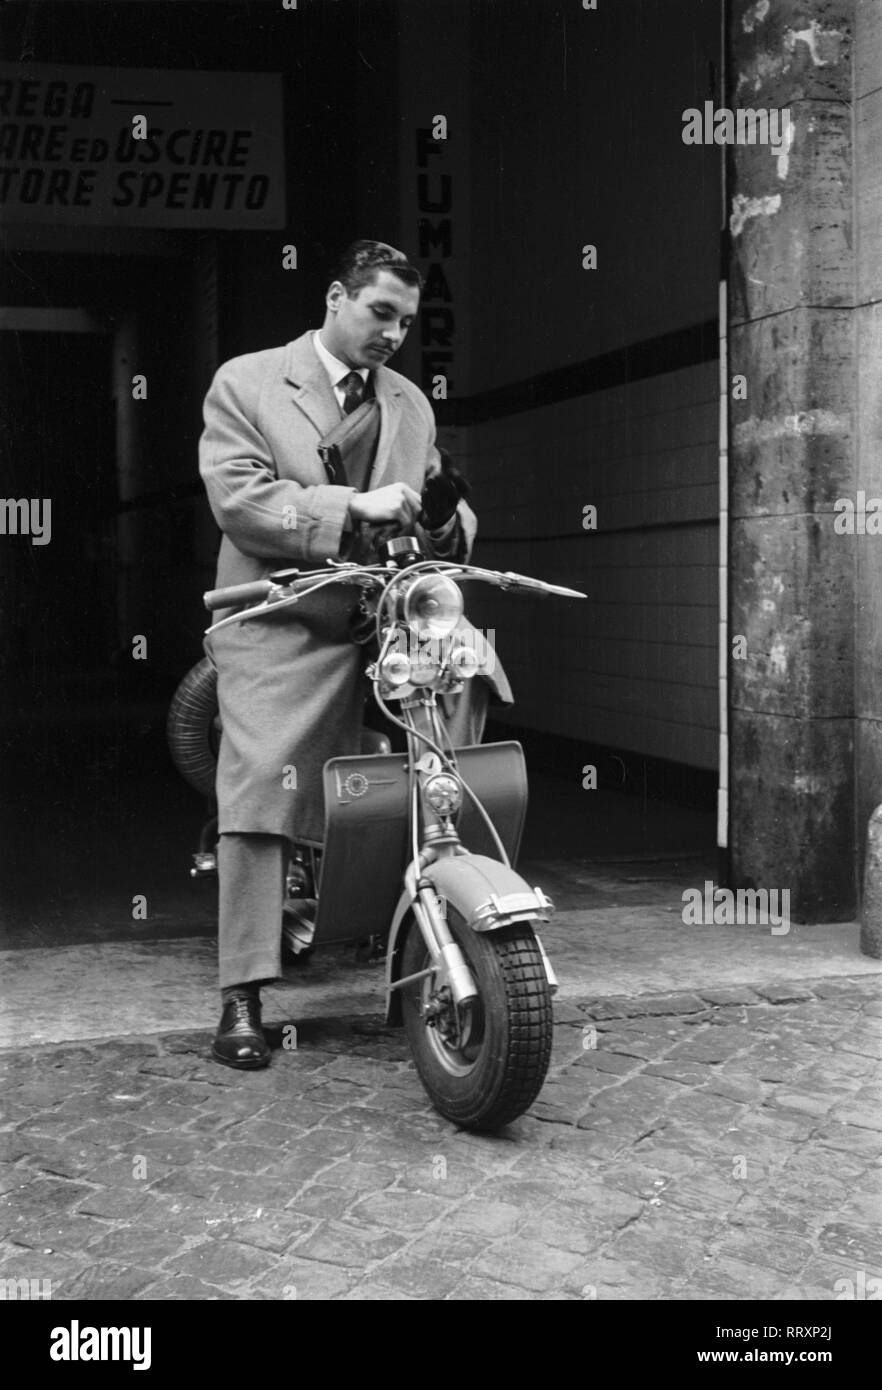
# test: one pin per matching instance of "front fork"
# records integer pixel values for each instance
(448, 964)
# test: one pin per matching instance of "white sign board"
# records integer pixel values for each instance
(210, 154)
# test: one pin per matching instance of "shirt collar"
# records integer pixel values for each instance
(335, 369)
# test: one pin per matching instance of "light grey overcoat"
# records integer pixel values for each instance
(291, 687)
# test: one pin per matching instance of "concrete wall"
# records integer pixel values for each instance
(572, 386)
(577, 138)
(635, 666)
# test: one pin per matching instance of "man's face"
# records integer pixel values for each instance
(363, 331)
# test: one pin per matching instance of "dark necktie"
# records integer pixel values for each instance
(353, 392)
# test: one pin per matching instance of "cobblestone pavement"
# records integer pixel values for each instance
(723, 1144)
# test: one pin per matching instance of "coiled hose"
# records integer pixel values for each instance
(193, 727)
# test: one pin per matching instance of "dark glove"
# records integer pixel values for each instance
(441, 493)
(439, 498)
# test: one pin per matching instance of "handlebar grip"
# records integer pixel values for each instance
(235, 594)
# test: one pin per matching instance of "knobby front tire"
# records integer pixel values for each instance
(500, 1070)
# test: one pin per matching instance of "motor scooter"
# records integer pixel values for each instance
(419, 846)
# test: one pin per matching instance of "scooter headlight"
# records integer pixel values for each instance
(464, 663)
(395, 669)
(432, 606)
(424, 670)
(443, 793)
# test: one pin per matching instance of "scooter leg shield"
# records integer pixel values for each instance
(486, 893)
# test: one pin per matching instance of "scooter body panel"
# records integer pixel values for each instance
(497, 774)
(365, 846)
(366, 843)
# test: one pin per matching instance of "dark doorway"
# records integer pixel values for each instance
(90, 805)
(57, 588)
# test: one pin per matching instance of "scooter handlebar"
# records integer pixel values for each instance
(507, 579)
(539, 586)
(235, 594)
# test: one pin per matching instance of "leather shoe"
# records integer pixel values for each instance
(239, 1041)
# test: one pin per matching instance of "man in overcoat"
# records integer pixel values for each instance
(290, 686)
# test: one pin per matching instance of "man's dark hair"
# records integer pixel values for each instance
(361, 263)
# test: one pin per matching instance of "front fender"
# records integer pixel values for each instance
(486, 893)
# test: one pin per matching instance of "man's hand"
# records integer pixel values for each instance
(394, 503)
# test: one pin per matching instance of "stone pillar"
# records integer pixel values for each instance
(868, 423)
(792, 455)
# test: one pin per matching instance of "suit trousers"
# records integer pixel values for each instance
(251, 873)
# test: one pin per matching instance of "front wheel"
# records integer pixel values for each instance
(486, 1066)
